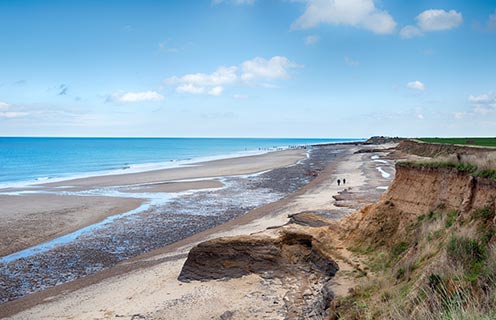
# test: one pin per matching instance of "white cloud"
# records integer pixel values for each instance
(259, 68)
(432, 20)
(254, 72)
(312, 39)
(352, 63)
(222, 76)
(190, 88)
(436, 20)
(129, 97)
(416, 85)
(198, 83)
(357, 13)
(483, 98)
(216, 91)
(410, 32)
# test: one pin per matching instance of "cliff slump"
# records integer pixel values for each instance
(430, 149)
(233, 257)
(292, 254)
(415, 191)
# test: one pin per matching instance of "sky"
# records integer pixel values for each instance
(248, 68)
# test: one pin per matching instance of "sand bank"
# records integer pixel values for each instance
(209, 169)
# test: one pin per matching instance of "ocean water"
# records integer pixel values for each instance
(36, 160)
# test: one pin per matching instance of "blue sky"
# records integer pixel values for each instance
(248, 68)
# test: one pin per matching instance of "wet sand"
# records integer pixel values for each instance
(146, 286)
(216, 168)
(29, 219)
(35, 218)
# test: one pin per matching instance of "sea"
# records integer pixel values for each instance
(26, 161)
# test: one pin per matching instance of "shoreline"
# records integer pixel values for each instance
(51, 199)
(156, 166)
(269, 215)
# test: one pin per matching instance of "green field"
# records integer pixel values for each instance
(487, 142)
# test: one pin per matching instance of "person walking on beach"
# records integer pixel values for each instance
(339, 182)
(344, 181)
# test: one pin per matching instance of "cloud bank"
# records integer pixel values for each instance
(250, 72)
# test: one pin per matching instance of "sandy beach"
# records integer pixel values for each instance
(60, 232)
(32, 216)
(146, 286)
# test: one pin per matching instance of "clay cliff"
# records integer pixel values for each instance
(429, 246)
(415, 191)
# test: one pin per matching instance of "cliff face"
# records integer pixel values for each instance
(418, 189)
(430, 240)
(415, 191)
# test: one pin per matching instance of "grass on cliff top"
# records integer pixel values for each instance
(477, 170)
(465, 167)
(485, 142)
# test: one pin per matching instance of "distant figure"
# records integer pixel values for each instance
(344, 181)
(339, 182)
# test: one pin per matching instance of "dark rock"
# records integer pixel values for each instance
(227, 315)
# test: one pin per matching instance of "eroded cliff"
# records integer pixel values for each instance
(429, 247)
